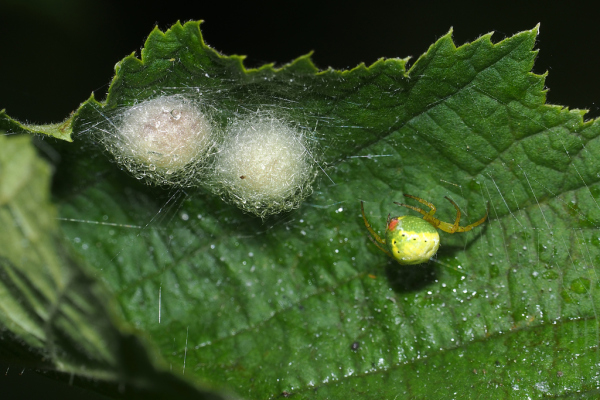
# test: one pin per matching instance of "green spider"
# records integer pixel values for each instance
(412, 240)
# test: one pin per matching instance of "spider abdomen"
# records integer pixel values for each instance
(411, 240)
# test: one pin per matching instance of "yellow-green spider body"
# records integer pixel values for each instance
(412, 240)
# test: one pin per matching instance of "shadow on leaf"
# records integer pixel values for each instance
(410, 278)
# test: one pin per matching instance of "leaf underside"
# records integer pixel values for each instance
(304, 304)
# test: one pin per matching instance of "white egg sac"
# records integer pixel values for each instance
(264, 166)
(163, 139)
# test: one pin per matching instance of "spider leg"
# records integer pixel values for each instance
(474, 224)
(427, 216)
(417, 209)
(374, 236)
(420, 200)
(446, 227)
(379, 247)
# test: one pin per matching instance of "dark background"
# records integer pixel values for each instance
(54, 53)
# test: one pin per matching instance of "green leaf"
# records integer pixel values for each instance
(54, 316)
(61, 131)
(304, 303)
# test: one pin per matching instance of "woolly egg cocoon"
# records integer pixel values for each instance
(163, 139)
(264, 166)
